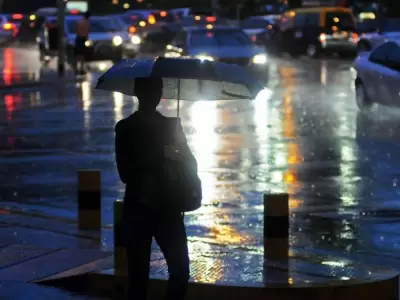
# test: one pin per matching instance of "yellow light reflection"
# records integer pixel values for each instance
(86, 93)
(288, 126)
(208, 269)
(118, 104)
(34, 99)
(323, 73)
(289, 132)
(212, 145)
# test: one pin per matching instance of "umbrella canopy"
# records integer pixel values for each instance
(184, 79)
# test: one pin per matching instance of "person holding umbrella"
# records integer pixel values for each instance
(155, 162)
(142, 142)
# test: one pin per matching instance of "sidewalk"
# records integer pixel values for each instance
(28, 252)
(12, 290)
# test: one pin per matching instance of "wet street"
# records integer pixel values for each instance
(308, 139)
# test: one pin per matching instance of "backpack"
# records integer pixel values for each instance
(175, 185)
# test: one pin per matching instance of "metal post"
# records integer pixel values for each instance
(276, 226)
(120, 260)
(61, 37)
(276, 236)
(89, 199)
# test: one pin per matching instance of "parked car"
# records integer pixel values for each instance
(377, 76)
(380, 30)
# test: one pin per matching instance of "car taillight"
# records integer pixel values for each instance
(17, 16)
(211, 19)
(8, 26)
(163, 14)
(74, 11)
(354, 37)
(132, 29)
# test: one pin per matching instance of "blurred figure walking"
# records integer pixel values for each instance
(82, 36)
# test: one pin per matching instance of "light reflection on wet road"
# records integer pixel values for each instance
(339, 167)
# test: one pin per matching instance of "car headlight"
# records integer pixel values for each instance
(204, 57)
(117, 40)
(88, 43)
(136, 40)
(260, 59)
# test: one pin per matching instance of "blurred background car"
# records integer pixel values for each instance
(156, 41)
(9, 27)
(108, 39)
(220, 43)
(258, 28)
(377, 78)
(379, 30)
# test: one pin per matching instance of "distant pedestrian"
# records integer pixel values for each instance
(142, 141)
(82, 36)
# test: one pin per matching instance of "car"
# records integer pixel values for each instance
(220, 43)
(258, 27)
(380, 31)
(202, 21)
(377, 76)
(8, 27)
(186, 12)
(108, 40)
(317, 30)
(107, 34)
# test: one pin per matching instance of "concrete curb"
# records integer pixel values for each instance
(114, 285)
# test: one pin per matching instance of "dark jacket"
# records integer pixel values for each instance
(139, 149)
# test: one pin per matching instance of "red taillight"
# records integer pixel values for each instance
(253, 38)
(163, 14)
(74, 11)
(132, 29)
(354, 37)
(17, 16)
(211, 19)
(8, 26)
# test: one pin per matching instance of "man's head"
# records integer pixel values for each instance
(149, 92)
(87, 15)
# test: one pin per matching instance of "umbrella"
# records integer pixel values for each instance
(184, 79)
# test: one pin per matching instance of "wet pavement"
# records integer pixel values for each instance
(308, 139)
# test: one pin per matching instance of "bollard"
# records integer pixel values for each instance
(276, 227)
(120, 260)
(89, 199)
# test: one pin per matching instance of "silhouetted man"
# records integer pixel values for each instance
(82, 36)
(141, 147)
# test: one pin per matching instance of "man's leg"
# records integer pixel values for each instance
(170, 235)
(138, 238)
